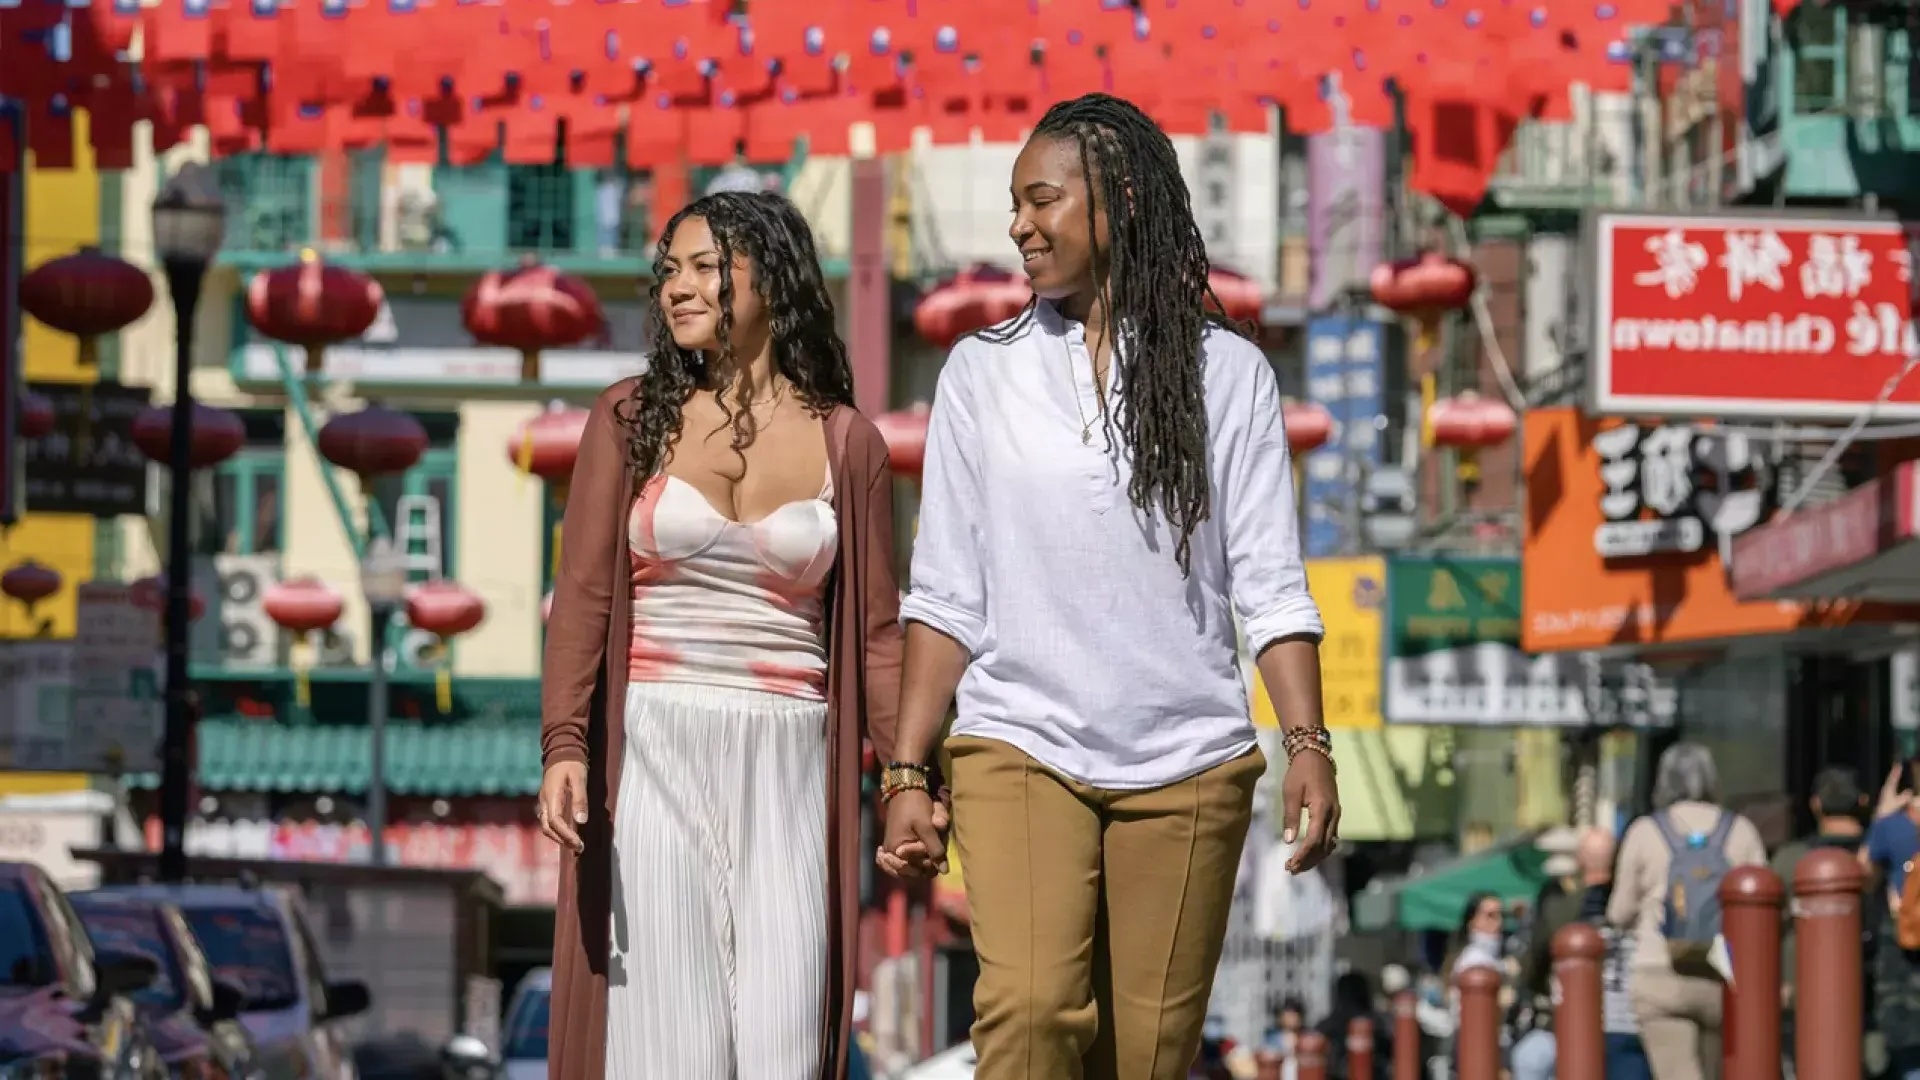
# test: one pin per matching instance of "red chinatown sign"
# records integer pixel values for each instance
(1752, 316)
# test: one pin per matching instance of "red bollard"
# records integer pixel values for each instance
(1270, 1065)
(1359, 1048)
(1750, 900)
(1826, 928)
(1478, 1040)
(1311, 1054)
(1406, 1036)
(1580, 1044)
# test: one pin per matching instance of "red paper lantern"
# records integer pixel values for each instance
(87, 294)
(1309, 425)
(1470, 422)
(446, 608)
(217, 434)
(312, 304)
(548, 445)
(150, 593)
(974, 299)
(36, 417)
(905, 431)
(376, 441)
(30, 582)
(1240, 297)
(533, 308)
(303, 605)
(1423, 289)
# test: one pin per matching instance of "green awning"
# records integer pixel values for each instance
(451, 759)
(1436, 899)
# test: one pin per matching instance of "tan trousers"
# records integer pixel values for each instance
(1098, 916)
(1679, 1023)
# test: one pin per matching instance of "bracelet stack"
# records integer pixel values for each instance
(901, 776)
(1313, 740)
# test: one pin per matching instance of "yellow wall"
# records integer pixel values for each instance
(501, 516)
(62, 214)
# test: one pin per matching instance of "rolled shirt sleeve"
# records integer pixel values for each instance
(1259, 516)
(947, 585)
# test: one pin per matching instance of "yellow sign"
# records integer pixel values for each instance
(1349, 592)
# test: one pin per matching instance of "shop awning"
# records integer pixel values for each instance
(1865, 545)
(449, 760)
(1436, 899)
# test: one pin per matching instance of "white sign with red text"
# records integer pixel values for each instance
(1752, 315)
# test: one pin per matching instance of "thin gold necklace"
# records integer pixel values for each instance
(1093, 372)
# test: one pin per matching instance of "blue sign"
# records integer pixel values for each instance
(1344, 374)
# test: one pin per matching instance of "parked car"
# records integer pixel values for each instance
(523, 1051)
(65, 1005)
(191, 1015)
(258, 939)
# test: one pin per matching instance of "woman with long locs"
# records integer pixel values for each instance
(724, 633)
(1106, 486)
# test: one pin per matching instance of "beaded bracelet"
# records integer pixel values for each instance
(1315, 740)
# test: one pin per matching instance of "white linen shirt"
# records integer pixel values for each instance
(1089, 651)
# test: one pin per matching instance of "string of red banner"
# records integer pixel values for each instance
(653, 81)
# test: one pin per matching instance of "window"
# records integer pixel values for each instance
(273, 194)
(1817, 35)
(540, 208)
(129, 929)
(248, 946)
(25, 958)
(243, 512)
(418, 506)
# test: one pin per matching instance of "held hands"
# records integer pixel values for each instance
(562, 806)
(1309, 786)
(915, 841)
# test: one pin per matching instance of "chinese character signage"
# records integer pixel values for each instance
(1453, 637)
(1351, 594)
(1346, 211)
(88, 464)
(1678, 487)
(1344, 371)
(1751, 316)
(12, 240)
(1582, 586)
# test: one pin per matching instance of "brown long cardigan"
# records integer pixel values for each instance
(583, 693)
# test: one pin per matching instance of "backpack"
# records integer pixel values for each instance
(1907, 916)
(1697, 864)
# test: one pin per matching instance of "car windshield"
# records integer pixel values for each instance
(25, 959)
(136, 930)
(248, 947)
(527, 1028)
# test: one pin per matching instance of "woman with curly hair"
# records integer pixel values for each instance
(723, 636)
(1106, 487)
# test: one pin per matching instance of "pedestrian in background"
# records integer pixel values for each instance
(1666, 891)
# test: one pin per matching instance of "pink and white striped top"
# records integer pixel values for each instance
(719, 602)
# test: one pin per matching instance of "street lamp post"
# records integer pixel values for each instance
(383, 578)
(189, 225)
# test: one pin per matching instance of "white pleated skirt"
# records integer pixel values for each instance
(719, 957)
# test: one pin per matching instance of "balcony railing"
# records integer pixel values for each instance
(362, 210)
(1557, 166)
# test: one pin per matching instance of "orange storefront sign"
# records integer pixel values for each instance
(1602, 566)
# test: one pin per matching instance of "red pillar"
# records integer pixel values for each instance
(1479, 1036)
(1750, 901)
(1360, 1048)
(1311, 1054)
(1579, 1041)
(1406, 1036)
(1826, 928)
